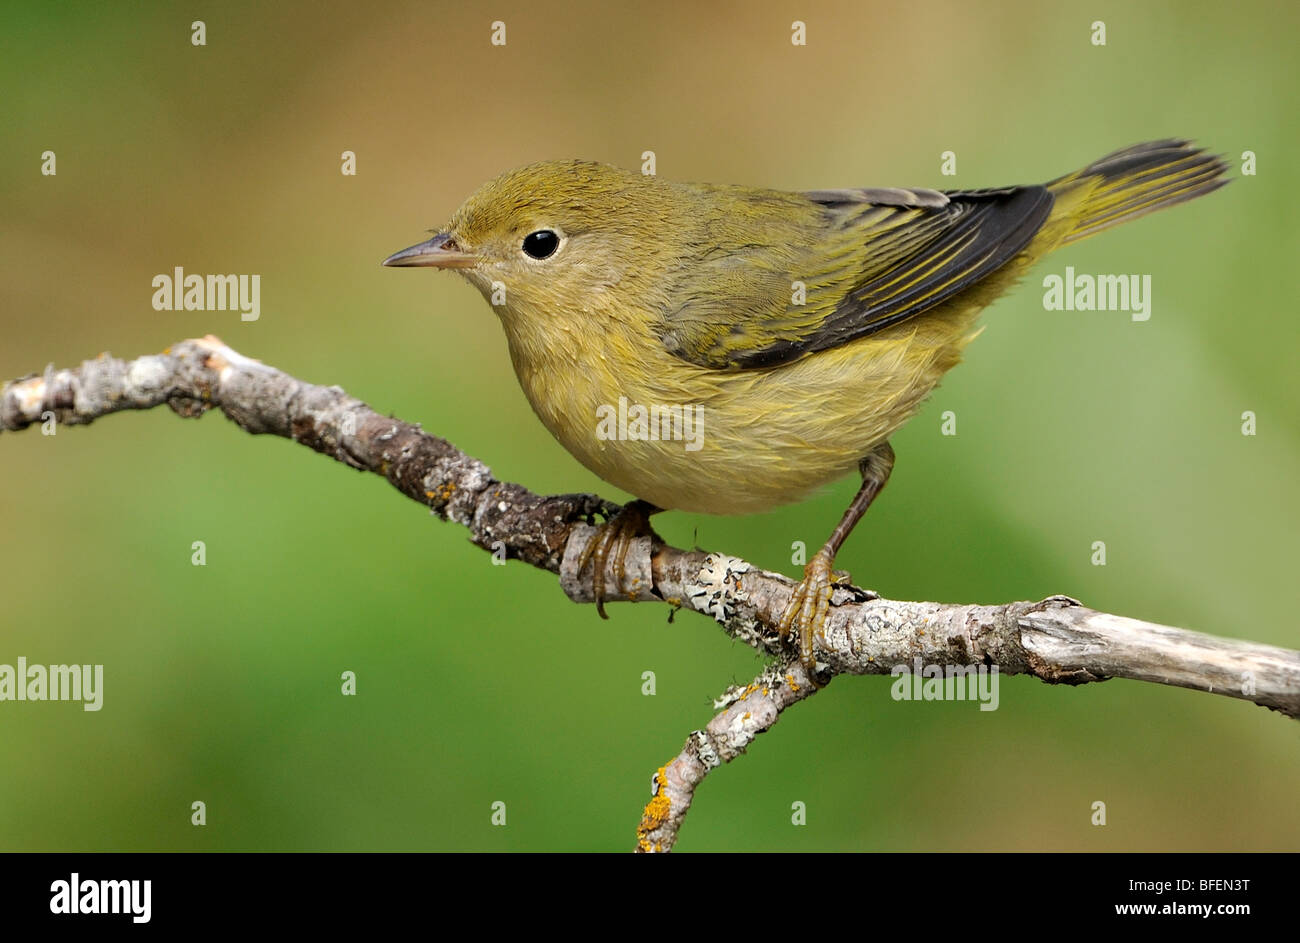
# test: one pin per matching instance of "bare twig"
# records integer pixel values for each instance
(1057, 640)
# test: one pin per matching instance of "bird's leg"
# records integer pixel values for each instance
(810, 602)
(615, 536)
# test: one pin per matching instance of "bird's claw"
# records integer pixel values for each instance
(615, 537)
(808, 608)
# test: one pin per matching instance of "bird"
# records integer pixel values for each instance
(802, 329)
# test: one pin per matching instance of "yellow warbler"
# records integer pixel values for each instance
(727, 349)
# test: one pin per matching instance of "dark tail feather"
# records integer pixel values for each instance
(1136, 181)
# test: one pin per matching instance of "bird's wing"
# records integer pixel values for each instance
(863, 260)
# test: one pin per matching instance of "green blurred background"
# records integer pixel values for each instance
(481, 683)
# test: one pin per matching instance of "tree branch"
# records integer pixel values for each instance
(1057, 640)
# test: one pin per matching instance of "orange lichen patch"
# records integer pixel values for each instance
(794, 685)
(215, 361)
(655, 814)
(31, 394)
(634, 590)
(748, 714)
(441, 493)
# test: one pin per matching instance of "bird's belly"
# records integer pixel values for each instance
(715, 442)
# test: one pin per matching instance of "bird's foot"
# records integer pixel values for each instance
(809, 606)
(612, 540)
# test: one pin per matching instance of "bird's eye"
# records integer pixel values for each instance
(541, 244)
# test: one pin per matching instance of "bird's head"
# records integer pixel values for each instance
(558, 242)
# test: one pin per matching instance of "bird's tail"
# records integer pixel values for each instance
(1131, 183)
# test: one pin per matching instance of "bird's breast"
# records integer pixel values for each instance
(723, 442)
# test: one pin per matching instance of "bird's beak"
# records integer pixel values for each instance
(440, 252)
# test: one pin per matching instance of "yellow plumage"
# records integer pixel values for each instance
(660, 288)
(802, 329)
(770, 436)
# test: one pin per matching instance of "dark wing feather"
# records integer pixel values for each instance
(881, 256)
